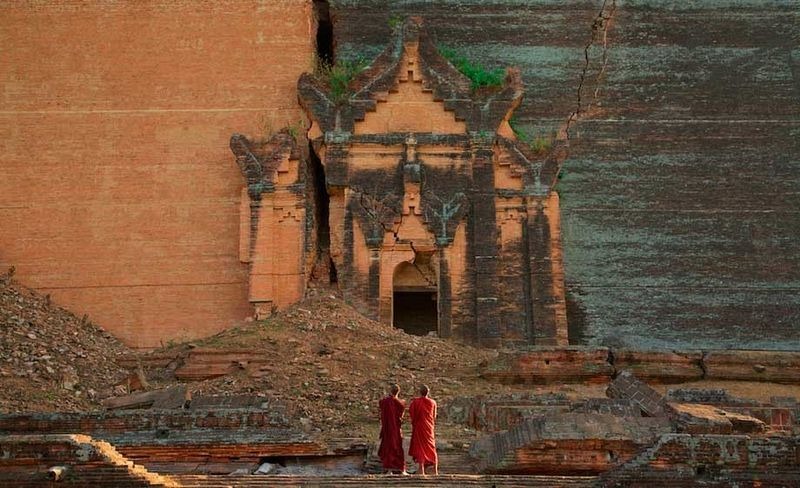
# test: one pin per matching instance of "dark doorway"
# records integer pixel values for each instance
(324, 32)
(416, 312)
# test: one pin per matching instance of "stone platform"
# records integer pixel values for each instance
(634, 437)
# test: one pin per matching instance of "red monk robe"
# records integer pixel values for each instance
(391, 449)
(423, 420)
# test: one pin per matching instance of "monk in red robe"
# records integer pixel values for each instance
(423, 421)
(391, 449)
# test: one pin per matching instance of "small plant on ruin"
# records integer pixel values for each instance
(537, 143)
(294, 129)
(479, 75)
(338, 76)
(394, 21)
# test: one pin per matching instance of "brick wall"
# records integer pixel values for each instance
(144, 421)
(87, 462)
(118, 193)
(679, 196)
(711, 460)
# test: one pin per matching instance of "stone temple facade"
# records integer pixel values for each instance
(416, 194)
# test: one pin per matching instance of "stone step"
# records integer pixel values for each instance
(444, 481)
(90, 462)
(567, 444)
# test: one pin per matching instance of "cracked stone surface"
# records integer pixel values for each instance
(680, 190)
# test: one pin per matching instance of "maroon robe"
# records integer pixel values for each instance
(423, 420)
(391, 449)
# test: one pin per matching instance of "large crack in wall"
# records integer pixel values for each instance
(599, 36)
(324, 53)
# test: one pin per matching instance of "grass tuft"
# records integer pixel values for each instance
(536, 142)
(338, 76)
(479, 75)
(395, 21)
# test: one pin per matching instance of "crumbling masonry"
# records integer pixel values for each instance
(439, 220)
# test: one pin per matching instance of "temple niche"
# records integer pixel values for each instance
(435, 217)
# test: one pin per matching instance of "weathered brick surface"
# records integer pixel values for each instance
(711, 396)
(201, 364)
(779, 414)
(492, 413)
(706, 419)
(575, 364)
(501, 412)
(548, 365)
(679, 195)
(27, 458)
(572, 443)
(613, 406)
(120, 423)
(274, 231)
(678, 460)
(627, 386)
(432, 192)
(97, 464)
(660, 366)
(776, 367)
(189, 440)
(117, 192)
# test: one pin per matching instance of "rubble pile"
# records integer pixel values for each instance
(328, 362)
(49, 358)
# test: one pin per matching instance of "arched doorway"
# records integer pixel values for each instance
(414, 300)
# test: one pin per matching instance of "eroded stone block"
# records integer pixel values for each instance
(660, 366)
(627, 386)
(548, 365)
(772, 366)
(706, 419)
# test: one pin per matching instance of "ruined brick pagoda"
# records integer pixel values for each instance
(438, 220)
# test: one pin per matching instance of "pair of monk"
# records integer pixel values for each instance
(422, 411)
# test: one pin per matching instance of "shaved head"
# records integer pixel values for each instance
(423, 390)
(394, 389)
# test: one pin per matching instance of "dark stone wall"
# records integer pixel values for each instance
(680, 195)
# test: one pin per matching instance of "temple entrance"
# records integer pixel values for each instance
(414, 298)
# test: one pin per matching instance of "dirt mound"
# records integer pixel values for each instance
(49, 358)
(326, 362)
(332, 365)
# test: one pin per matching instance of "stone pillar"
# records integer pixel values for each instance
(512, 272)
(547, 271)
(444, 295)
(276, 263)
(261, 259)
(380, 306)
(484, 247)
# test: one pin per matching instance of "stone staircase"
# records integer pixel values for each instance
(89, 462)
(454, 457)
(442, 481)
